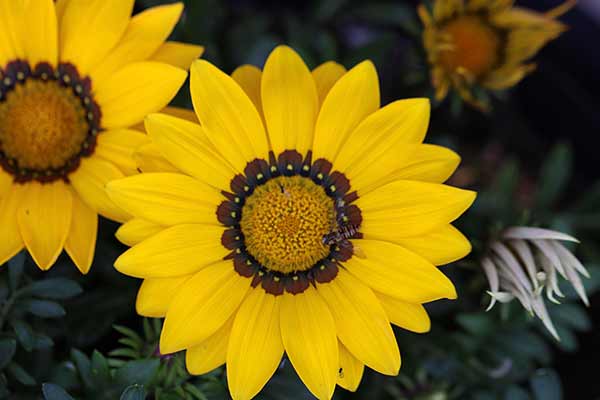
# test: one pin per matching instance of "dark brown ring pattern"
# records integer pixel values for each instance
(259, 171)
(17, 72)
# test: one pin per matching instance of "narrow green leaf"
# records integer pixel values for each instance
(134, 392)
(124, 352)
(42, 342)
(8, 347)
(20, 374)
(134, 344)
(54, 289)
(194, 391)
(138, 371)
(24, 334)
(125, 331)
(15, 271)
(99, 368)
(546, 385)
(55, 392)
(45, 309)
(83, 367)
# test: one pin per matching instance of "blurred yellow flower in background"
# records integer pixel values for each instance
(301, 218)
(484, 43)
(75, 74)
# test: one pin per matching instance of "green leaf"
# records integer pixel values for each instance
(554, 175)
(54, 289)
(83, 366)
(45, 309)
(134, 392)
(123, 330)
(15, 270)
(8, 347)
(138, 371)
(42, 342)
(55, 392)
(20, 374)
(24, 334)
(99, 369)
(124, 352)
(546, 385)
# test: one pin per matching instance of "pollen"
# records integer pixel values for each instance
(284, 222)
(42, 125)
(470, 44)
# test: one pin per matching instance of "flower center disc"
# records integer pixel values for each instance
(42, 125)
(284, 222)
(474, 45)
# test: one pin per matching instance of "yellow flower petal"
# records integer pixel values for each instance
(401, 122)
(446, 8)
(90, 29)
(134, 231)
(149, 159)
(137, 90)
(412, 317)
(342, 110)
(156, 294)
(44, 221)
(325, 76)
(175, 251)
(90, 179)
(186, 146)
(409, 208)
(145, 33)
(289, 99)
(231, 121)
(249, 78)
(202, 306)
(81, 241)
(6, 182)
(118, 146)
(421, 162)
(309, 338)
(41, 42)
(211, 353)
(351, 370)
(362, 324)
(400, 273)
(166, 198)
(180, 55)
(10, 236)
(60, 6)
(12, 43)
(507, 76)
(255, 346)
(440, 246)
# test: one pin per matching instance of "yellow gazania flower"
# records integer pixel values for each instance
(308, 237)
(484, 43)
(74, 75)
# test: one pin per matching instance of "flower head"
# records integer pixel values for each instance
(300, 217)
(472, 43)
(525, 263)
(74, 75)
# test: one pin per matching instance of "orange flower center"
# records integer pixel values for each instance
(42, 125)
(284, 222)
(472, 45)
